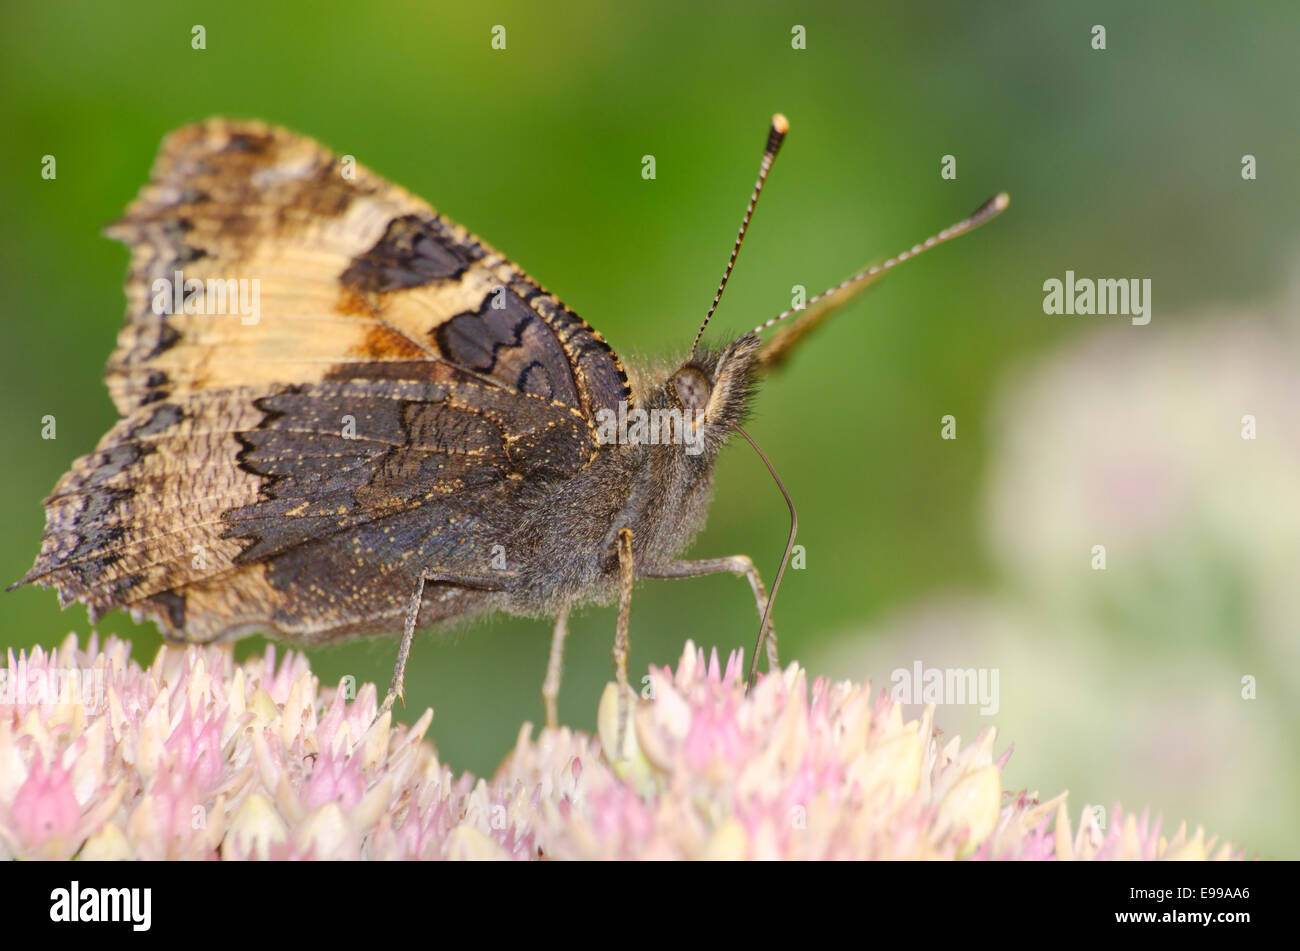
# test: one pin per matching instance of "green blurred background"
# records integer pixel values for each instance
(1123, 685)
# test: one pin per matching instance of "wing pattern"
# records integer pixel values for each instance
(325, 387)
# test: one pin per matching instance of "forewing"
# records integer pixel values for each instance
(261, 258)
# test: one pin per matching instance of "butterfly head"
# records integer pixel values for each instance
(712, 388)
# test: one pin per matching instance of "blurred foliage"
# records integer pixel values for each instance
(1122, 162)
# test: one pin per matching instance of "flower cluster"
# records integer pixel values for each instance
(200, 757)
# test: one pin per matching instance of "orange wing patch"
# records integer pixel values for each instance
(312, 265)
(319, 376)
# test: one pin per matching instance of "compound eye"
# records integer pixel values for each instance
(693, 388)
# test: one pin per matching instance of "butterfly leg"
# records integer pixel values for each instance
(738, 565)
(555, 668)
(626, 578)
(480, 582)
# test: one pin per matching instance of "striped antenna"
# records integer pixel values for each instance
(817, 309)
(775, 136)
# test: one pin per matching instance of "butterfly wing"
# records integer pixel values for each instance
(354, 275)
(293, 459)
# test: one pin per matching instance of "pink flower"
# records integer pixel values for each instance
(194, 749)
(197, 757)
(45, 812)
(334, 780)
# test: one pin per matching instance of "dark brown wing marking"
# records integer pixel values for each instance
(228, 498)
(350, 269)
(210, 531)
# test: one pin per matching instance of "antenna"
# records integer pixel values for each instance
(775, 136)
(820, 307)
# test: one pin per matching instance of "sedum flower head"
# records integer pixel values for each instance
(199, 757)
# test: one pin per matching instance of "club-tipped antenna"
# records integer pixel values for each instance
(819, 307)
(775, 136)
(763, 638)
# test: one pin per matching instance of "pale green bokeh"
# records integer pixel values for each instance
(1120, 163)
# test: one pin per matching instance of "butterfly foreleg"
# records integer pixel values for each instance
(428, 576)
(555, 668)
(739, 565)
(626, 579)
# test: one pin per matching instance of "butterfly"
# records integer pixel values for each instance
(343, 414)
